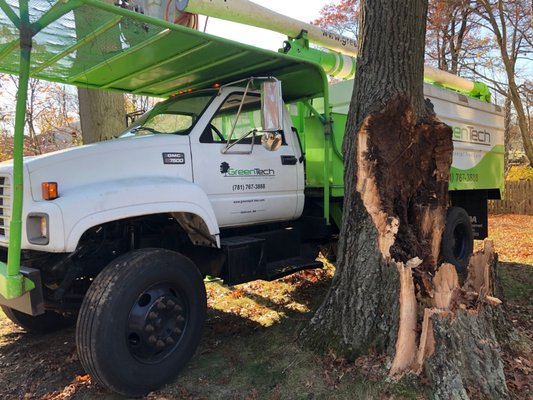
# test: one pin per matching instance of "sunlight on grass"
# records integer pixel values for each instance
(513, 237)
(265, 303)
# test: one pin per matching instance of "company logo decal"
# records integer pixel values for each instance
(471, 135)
(227, 171)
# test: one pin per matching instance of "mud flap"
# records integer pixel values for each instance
(475, 204)
(31, 302)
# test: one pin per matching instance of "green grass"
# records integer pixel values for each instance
(517, 283)
(251, 345)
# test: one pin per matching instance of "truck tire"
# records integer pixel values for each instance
(50, 321)
(457, 239)
(141, 320)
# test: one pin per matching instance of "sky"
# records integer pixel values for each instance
(303, 10)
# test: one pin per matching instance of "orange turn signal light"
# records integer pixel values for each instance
(49, 190)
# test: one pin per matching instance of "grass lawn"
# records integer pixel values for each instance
(250, 348)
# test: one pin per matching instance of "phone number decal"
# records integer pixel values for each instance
(249, 186)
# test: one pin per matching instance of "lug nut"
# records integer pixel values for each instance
(179, 318)
(169, 341)
(152, 339)
(177, 331)
(149, 328)
(170, 304)
(177, 308)
(161, 306)
(152, 315)
(160, 344)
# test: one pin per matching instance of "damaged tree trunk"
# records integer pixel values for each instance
(463, 359)
(397, 160)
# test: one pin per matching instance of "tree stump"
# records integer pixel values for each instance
(464, 357)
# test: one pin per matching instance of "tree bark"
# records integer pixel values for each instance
(400, 156)
(507, 132)
(397, 162)
(102, 114)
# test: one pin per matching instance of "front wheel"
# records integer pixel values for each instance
(141, 320)
(457, 239)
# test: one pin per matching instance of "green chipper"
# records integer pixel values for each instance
(237, 174)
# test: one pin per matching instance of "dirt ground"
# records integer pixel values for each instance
(250, 345)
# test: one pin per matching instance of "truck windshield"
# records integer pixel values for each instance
(176, 115)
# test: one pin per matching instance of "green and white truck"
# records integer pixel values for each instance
(238, 174)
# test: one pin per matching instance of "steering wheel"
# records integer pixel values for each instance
(215, 129)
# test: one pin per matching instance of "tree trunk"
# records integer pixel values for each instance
(397, 162)
(102, 114)
(400, 157)
(507, 132)
(522, 120)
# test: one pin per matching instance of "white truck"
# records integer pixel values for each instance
(221, 179)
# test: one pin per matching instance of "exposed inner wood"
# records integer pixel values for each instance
(479, 275)
(406, 342)
(492, 300)
(427, 340)
(448, 299)
(386, 226)
(446, 284)
(409, 192)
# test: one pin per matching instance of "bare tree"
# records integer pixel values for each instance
(453, 36)
(510, 23)
(341, 18)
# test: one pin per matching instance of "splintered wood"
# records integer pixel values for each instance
(445, 285)
(406, 342)
(447, 298)
(479, 276)
(387, 226)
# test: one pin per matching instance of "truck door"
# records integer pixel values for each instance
(246, 183)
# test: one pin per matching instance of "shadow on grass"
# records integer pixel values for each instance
(238, 357)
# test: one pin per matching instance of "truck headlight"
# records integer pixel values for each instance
(37, 228)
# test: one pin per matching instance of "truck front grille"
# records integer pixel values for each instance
(5, 207)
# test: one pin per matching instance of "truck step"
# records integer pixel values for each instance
(279, 269)
(245, 260)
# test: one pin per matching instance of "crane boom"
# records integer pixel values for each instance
(246, 12)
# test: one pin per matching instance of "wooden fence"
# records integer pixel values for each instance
(518, 199)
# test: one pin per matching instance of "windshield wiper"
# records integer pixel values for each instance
(143, 128)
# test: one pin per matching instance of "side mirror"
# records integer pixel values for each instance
(271, 141)
(271, 106)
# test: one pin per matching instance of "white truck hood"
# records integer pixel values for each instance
(139, 157)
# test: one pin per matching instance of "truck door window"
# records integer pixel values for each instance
(227, 116)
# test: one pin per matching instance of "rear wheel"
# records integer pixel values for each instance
(457, 239)
(141, 320)
(48, 322)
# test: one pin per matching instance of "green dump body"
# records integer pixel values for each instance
(477, 132)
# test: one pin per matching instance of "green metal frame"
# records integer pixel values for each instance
(223, 61)
(12, 283)
(299, 47)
